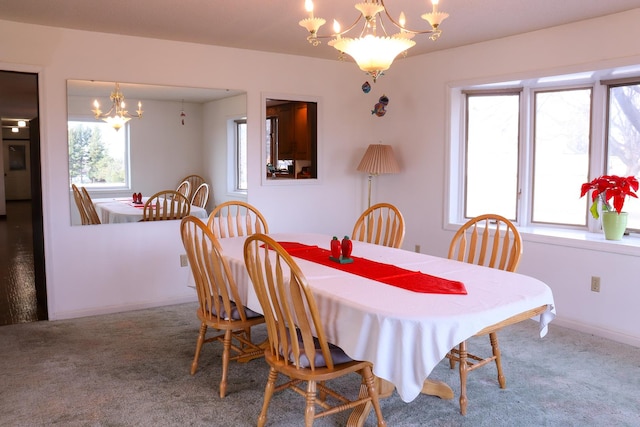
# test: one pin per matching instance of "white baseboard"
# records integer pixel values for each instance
(121, 308)
(595, 330)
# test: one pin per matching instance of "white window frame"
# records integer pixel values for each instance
(589, 237)
(232, 156)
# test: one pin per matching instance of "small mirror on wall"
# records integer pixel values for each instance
(290, 139)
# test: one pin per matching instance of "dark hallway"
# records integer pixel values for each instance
(22, 272)
(18, 302)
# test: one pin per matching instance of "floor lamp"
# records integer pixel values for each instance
(377, 160)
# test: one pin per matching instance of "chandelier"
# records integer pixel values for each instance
(374, 49)
(117, 116)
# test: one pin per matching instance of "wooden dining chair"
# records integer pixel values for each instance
(236, 218)
(77, 197)
(219, 303)
(201, 196)
(166, 205)
(382, 224)
(298, 347)
(194, 182)
(493, 241)
(185, 189)
(90, 208)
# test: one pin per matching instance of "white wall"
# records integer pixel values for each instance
(217, 148)
(111, 268)
(420, 135)
(101, 269)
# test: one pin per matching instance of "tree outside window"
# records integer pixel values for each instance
(97, 155)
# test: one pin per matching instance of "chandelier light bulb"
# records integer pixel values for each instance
(402, 20)
(308, 6)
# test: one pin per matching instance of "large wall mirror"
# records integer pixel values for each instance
(182, 131)
(290, 140)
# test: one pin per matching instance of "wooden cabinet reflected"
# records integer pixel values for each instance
(292, 139)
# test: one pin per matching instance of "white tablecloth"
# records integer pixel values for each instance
(404, 334)
(113, 211)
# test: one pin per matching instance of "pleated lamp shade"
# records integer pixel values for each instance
(379, 159)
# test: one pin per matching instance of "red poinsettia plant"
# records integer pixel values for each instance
(607, 187)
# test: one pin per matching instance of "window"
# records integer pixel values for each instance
(492, 139)
(523, 149)
(560, 155)
(241, 155)
(623, 138)
(98, 155)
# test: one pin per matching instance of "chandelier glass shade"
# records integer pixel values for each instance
(373, 50)
(117, 115)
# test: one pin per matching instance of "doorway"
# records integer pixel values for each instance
(23, 296)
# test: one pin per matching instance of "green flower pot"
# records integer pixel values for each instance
(614, 224)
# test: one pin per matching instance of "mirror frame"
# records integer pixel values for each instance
(263, 135)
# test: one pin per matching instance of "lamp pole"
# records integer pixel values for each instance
(369, 199)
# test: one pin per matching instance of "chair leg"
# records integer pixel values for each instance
(373, 393)
(268, 393)
(310, 409)
(452, 362)
(463, 377)
(226, 350)
(201, 334)
(496, 353)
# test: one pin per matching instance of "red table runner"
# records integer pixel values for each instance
(390, 274)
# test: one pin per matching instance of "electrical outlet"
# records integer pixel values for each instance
(595, 284)
(184, 261)
(418, 248)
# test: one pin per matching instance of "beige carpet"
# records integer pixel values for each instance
(132, 369)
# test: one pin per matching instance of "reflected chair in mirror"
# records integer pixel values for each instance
(194, 182)
(492, 241)
(89, 207)
(201, 196)
(382, 224)
(236, 218)
(219, 304)
(298, 347)
(185, 189)
(77, 197)
(166, 205)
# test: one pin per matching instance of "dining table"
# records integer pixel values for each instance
(406, 324)
(121, 210)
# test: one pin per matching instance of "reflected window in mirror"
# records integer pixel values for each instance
(98, 154)
(291, 139)
(241, 154)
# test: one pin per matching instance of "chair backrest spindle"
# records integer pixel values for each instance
(382, 224)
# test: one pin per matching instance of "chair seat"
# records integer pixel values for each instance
(235, 314)
(337, 354)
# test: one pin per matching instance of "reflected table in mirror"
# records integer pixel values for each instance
(122, 210)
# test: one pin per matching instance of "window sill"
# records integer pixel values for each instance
(579, 239)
